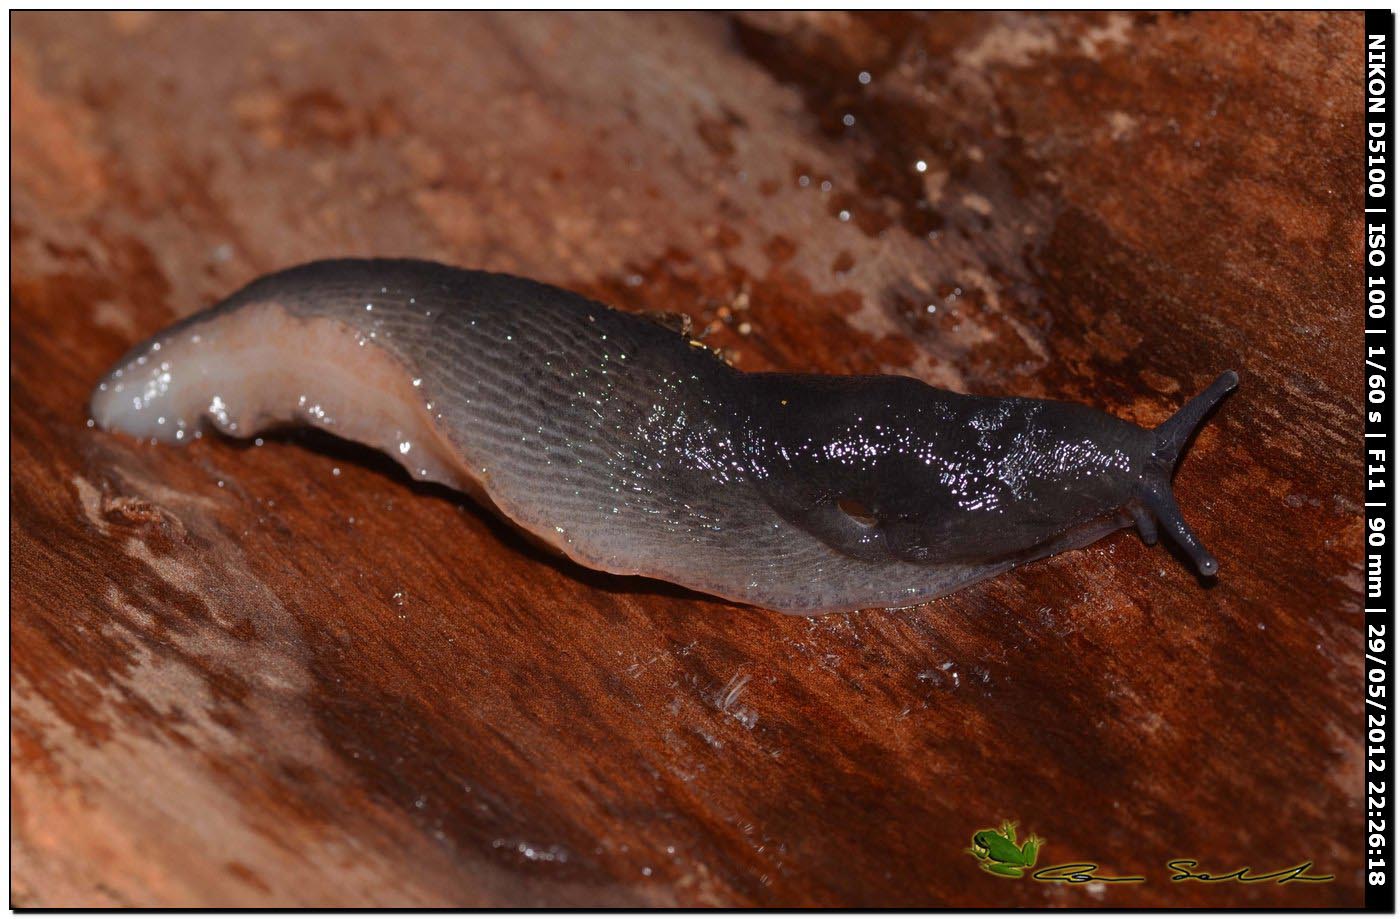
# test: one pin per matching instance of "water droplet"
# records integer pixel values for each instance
(335, 470)
(920, 166)
(848, 119)
(864, 77)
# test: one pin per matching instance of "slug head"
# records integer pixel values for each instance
(890, 469)
(1154, 508)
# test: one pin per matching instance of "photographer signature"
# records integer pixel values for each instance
(1084, 872)
(1182, 868)
(1001, 854)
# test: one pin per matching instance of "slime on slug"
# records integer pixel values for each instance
(612, 438)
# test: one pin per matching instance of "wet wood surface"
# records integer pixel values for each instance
(285, 674)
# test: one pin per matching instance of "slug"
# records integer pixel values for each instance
(634, 450)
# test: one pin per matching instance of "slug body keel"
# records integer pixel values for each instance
(633, 450)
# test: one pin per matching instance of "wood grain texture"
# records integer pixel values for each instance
(285, 674)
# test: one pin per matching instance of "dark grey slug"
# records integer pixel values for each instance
(636, 451)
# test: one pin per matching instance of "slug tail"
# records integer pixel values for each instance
(1155, 492)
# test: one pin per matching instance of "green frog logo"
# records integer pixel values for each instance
(999, 854)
